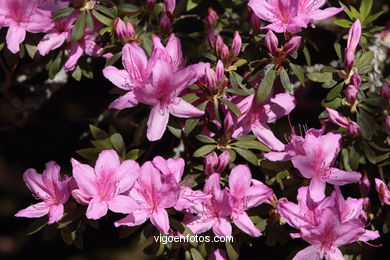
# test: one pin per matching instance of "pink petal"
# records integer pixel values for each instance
(128, 100)
(40, 21)
(35, 183)
(85, 178)
(309, 253)
(239, 180)
(180, 108)
(55, 214)
(257, 194)
(174, 50)
(119, 78)
(280, 105)
(107, 163)
(80, 197)
(317, 189)
(136, 218)
(222, 227)
(51, 177)
(334, 254)
(122, 204)
(157, 122)
(134, 60)
(176, 167)
(369, 235)
(127, 174)
(149, 177)
(51, 42)
(244, 223)
(199, 225)
(96, 208)
(339, 177)
(291, 212)
(15, 36)
(276, 156)
(266, 136)
(34, 211)
(160, 220)
(74, 55)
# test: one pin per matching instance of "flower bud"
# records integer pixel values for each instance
(166, 22)
(356, 80)
(169, 6)
(353, 128)
(351, 94)
(150, 4)
(211, 78)
(364, 185)
(292, 45)
(354, 36)
(388, 123)
(271, 42)
(224, 159)
(210, 163)
(211, 37)
(124, 31)
(219, 44)
(385, 90)
(236, 45)
(220, 71)
(225, 53)
(212, 17)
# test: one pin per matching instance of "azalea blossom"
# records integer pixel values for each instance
(22, 16)
(291, 15)
(340, 120)
(272, 44)
(352, 91)
(314, 157)
(256, 117)
(153, 197)
(157, 82)
(383, 191)
(48, 187)
(57, 36)
(245, 193)
(87, 44)
(213, 213)
(103, 187)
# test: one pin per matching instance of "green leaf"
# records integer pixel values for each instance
(320, 76)
(365, 128)
(265, 87)
(102, 18)
(134, 154)
(337, 48)
(232, 252)
(118, 144)
(62, 13)
(231, 106)
(343, 23)
(128, 8)
(36, 225)
(98, 133)
(190, 124)
(76, 74)
(298, 72)
(251, 144)
(204, 150)
(369, 153)
(205, 139)
(90, 21)
(88, 153)
(364, 63)
(195, 254)
(365, 9)
(79, 27)
(307, 55)
(284, 78)
(247, 155)
(334, 92)
(373, 17)
(104, 10)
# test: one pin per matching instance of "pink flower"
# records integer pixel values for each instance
(153, 197)
(57, 36)
(245, 193)
(291, 15)
(314, 157)
(256, 117)
(213, 213)
(236, 45)
(157, 82)
(212, 17)
(51, 189)
(353, 40)
(169, 6)
(330, 234)
(103, 188)
(340, 120)
(216, 164)
(383, 190)
(23, 16)
(87, 44)
(272, 42)
(388, 123)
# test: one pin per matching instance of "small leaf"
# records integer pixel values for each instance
(205, 139)
(79, 27)
(102, 18)
(247, 155)
(369, 153)
(298, 72)
(251, 144)
(334, 92)
(104, 10)
(128, 8)
(307, 55)
(134, 154)
(319, 76)
(231, 106)
(284, 78)
(195, 254)
(118, 144)
(88, 153)
(204, 150)
(265, 87)
(365, 128)
(62, 13)
(98, 133)
(337, 48)
(36, 225)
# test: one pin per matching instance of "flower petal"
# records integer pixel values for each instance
(122, 204)
(157, 122)
(160, 220)
(96, 209)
